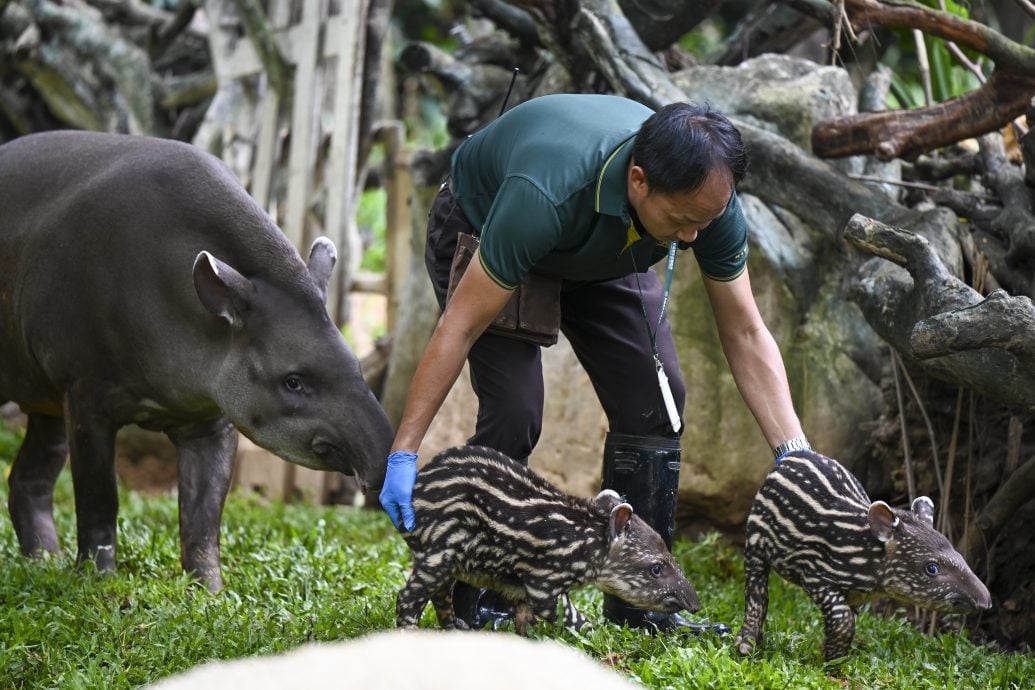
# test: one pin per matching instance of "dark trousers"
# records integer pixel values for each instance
(605, 325)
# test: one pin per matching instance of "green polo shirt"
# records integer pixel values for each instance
(545, 185)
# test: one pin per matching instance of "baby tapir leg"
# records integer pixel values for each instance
(205, 462)
(442, 600)
(573, 618)
(838, 621)
(92, 449)
(431, 575)
(756, 602)
(35, 469)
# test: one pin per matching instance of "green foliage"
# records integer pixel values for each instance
(9, 442)
(705, 38)
(298, 573)
(371, 219)
(949, 78)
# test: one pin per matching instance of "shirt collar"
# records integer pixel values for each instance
(612, 196)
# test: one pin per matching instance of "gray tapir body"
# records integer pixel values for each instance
(139, 283)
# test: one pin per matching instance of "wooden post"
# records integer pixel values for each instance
(341, 180)
(399, 187)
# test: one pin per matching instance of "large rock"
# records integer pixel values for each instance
(781, 93)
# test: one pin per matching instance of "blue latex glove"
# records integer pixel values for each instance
(397, 492)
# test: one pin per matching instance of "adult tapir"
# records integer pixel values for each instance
(139, 283)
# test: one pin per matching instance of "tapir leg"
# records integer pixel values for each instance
(205, 464)
(33, 474)
(91, 437)
(756, 600)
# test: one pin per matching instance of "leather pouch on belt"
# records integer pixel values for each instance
(533, 313)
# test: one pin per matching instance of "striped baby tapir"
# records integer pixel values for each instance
(489, 521)
(813, 523)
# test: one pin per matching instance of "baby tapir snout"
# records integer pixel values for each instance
(639, 567)
(921, 566)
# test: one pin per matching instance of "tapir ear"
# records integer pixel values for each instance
(882, 520)
(923, 509)
(607, 499)
(621, 514)
(321, 261)
(223, 291)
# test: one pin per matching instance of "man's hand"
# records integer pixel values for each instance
(397, 492)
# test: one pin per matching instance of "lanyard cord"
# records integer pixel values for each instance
(670, 265)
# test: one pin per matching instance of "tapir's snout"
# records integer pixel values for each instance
(364, 458)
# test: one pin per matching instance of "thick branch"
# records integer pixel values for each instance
(622, 57)
(893, 305)
(906, 249)
(907, 14)
(783, 174)
(662, 22)
(908, 133)
(259, 30)
(1000, 509)
(1000, 321)
(513, 20)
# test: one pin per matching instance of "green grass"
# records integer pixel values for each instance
(297, 573)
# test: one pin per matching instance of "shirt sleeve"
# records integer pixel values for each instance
(522, 226)
(721, 248)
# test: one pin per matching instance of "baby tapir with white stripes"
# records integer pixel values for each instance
(491, 522)
(813, 523)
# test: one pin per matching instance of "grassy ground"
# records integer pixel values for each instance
(297, 573)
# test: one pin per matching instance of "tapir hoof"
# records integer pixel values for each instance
(744, 644)
(102, 558)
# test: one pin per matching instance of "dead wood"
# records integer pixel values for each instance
(907, 133)
(660, 23)
(984, 529)
(998, 321)
(894, 304)
(1004, 96)
(773, 27)
(513, 20)
(276, 67)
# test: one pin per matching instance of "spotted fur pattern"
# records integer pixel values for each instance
(813, 523)
(491, 522)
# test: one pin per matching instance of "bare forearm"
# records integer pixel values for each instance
(760, 376)
(437, 372)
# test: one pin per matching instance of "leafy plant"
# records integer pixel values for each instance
(949, 78)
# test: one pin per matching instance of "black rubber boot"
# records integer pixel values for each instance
(645, 471)
(479, 607)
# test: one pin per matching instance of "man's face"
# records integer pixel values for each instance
(679, 216)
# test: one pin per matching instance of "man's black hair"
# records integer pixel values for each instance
(679, 145)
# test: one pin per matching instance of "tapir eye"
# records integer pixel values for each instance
(931, 568)
(656, 569)
(293, 382)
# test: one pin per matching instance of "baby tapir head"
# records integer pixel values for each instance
(638, 566)
(921, 567)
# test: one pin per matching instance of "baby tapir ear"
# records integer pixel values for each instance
(223, 291)
(321, 260)
(621, 514)
(607, 499)
(882, 520)
(923, 509)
